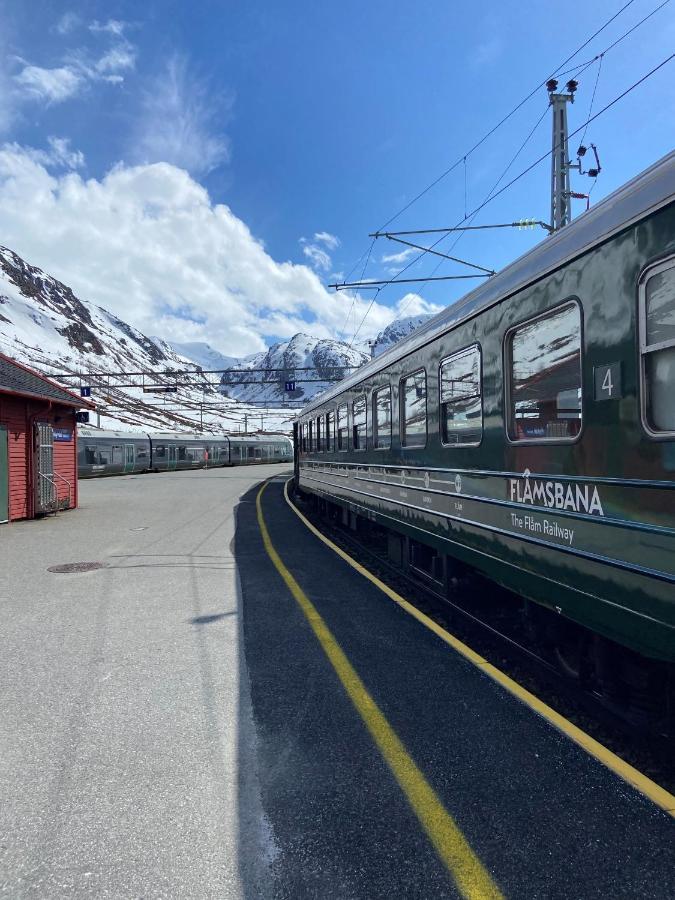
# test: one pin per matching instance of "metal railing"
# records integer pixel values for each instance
(55, 503)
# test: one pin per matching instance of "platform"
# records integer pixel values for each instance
(177, 723)
(543, 818)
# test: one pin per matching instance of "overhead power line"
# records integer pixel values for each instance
(509, 115)
(578, 70)
(494, 195)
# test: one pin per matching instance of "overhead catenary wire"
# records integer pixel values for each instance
(546, 155)
(505, 119)
(559, 72)
(472, 216)
(363, 272)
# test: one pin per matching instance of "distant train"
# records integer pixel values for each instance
(123, 453)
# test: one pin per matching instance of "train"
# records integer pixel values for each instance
(527, 432)
(102, 452)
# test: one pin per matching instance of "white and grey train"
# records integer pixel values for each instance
(123, 453)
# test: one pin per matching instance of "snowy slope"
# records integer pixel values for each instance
(326, 359)
(201, 354)
(397, 330)
(43, 324)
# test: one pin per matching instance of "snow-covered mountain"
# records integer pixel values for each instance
(397, 330)
(326, 359)
(43, 324)
(201, 354)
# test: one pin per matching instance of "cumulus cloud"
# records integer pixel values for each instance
(178, 122)
(147, 243)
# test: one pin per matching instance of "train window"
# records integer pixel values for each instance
(330, 431)
(319, 448)
(414, 409)
(182, 453)
(461, 400)
(657, 346)
(382, 418)
(117, 454)
(159, 451)
(301, 438)
(342, 428)
(545, 377)
(141, 453)
(90, 456)
(359, 423)
(310, 440)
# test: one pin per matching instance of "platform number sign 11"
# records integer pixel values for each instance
(607, 381)
(289, 386)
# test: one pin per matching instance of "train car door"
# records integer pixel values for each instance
(4, 476)
(129, 457)
(172, 452)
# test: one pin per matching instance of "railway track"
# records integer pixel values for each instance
(505, 642)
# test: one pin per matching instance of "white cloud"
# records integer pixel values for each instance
(147, 243)
(68, 22)
(324, 237)
(318, 257)
(122, 56)
(59, 154)
(399, 258)
(78, 70)
(114, 27)
(177, 123)
(414, 305)
(50, 85)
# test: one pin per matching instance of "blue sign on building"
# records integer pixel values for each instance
(62, 434)
(290, 386)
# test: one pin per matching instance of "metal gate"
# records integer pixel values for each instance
(45, 483)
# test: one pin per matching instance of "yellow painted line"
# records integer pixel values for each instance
(658, 795)
(470, 876)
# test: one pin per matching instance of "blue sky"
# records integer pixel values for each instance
(174, 161)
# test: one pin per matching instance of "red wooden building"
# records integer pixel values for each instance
(38, 443)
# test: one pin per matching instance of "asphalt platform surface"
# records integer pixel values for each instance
(170, 726)
(544, 818)
(127, 757)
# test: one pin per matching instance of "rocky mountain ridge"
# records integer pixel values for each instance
(45, 325)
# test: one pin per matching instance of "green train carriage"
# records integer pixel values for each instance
(528, 430)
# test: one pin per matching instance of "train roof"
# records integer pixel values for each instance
(202, 438)
(643, 195)
(185, 436)
(83, 431)
(257, 438)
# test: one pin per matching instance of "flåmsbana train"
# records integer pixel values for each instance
(528, 431)
(123, 453)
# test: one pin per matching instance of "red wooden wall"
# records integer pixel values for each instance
(17, 414)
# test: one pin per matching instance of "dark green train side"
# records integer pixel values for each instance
(531, 429)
